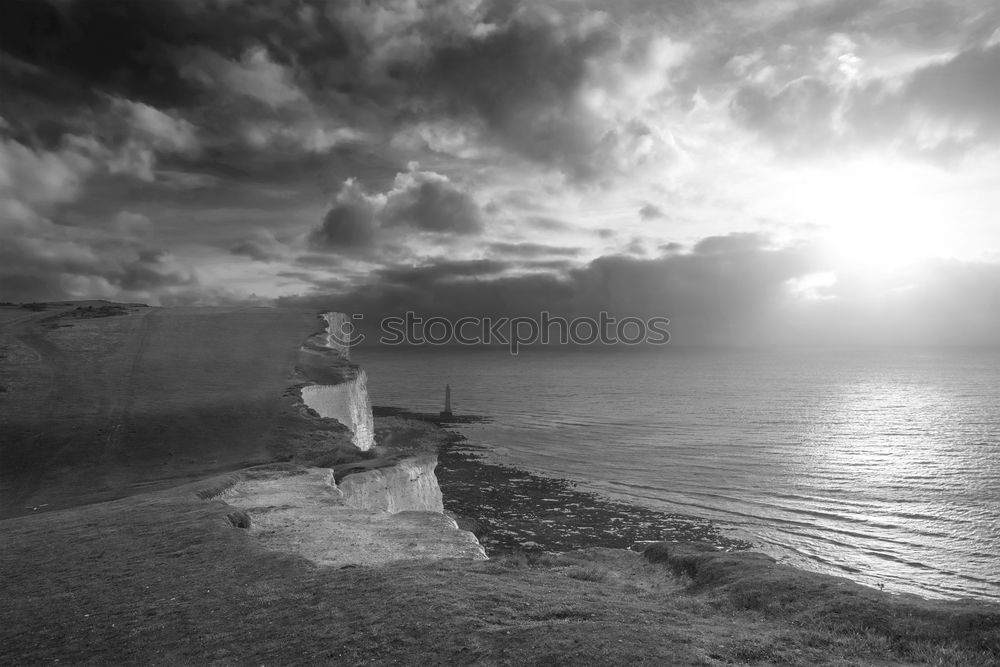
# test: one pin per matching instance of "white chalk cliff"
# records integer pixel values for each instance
(408, 485)
(338, 388)
(305, 512)
(388, 510)
(338, 333)
(348, 403)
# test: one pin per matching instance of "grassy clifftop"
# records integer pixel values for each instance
(166, 578)
(133, 407)
(100, 408)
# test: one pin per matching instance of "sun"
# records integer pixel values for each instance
(877, 213)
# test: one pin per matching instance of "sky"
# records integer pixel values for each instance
(771, 172)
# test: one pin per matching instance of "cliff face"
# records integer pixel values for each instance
(346, 402)
(408, 485)
(338, 389)
(337, 338)
(303, 511)
(383, 509)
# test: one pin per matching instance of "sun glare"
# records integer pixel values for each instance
(877, 214)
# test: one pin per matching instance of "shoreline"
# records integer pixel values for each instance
(510, 509)
(237, 569)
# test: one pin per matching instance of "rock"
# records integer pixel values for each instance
(303, 512)
(410, 484)
(239, 519)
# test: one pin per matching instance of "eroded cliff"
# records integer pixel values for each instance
(387, 505)
(407, 485)
(335, 387)
(346, 402)
(302, 510)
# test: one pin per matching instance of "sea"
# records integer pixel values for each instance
(879, 465)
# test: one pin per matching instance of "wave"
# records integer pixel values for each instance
(880, 467)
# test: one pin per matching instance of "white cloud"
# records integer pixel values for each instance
(162, 131)
(262, 246)
(813, 286)
(408, 30)
(430, 202)
(312, 135)
(461, 139)
(39, 177)
(993, 40)
(254, 75)
(841, 59)
(420, 203)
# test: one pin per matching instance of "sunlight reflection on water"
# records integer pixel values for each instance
(879, 465)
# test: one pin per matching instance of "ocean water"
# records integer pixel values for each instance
(879, 465)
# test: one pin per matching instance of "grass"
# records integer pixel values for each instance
(170, 574)
(166, 578)
(113, 406)
(587, 573)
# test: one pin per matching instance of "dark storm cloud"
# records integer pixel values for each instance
(234, 94)
(262, 247)
(122, 47)
(449, 290)
(35, 105)
(139, 48)
(20, 287)
(725, 281)
(230, 116)
(735, 289)
(723, 288)
(56, 264)
(149, 270)
(306, 74)
(318, 260)
(349, 224)
(233, 71)
(441, 273)
(418, 202)
(430, 202)
(523, 81)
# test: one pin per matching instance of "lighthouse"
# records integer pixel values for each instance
(447, 401)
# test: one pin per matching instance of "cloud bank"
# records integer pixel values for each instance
(707, 161)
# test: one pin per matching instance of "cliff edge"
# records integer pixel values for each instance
(381, 504)
(212, 571)
(370, 519)
(334, 387)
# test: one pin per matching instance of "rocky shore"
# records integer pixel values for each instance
(513, 510)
